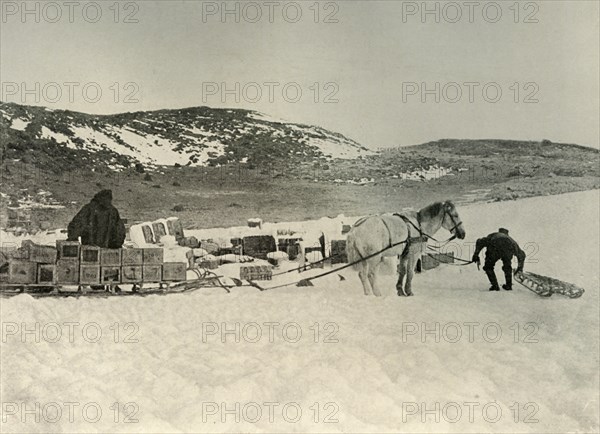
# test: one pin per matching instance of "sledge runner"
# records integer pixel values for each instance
(500, 246)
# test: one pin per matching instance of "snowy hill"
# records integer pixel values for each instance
(453, 358)
(197, 136)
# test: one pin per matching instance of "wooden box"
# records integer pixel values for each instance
(152, 273)
(46, 273)
(338, 252)
(148, 235)
(132, 256)
(20, 271)
(89, 274)
(68, 249)
(256, 272)
(131, 273)
(42, 254)
(159, 230)
(175, 228)
(67, 271)
(258, 246)
(90, 255)
(153, 256)
(428, 263)
(211, 264)
(174, 271)
(110, 274)
(110, 257)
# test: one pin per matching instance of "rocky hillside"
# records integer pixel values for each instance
(214, 167)
(199, 136)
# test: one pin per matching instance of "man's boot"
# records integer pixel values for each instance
(492, 277)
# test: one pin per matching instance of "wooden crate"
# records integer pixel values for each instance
(153, 256)
(338, 252)
(68, 249)
(110, 274)
(89, 274)
(67, 271)
(256, 272)
(159, 230)
(21, 271)
(258, 246)
(148, 235)
(152, 273)
(211, 264)
(132, 257)
(110, 257)
(131, 273)
(175, 228)
(42, 254)
(174, 271)
(46, 273)
(90, 255)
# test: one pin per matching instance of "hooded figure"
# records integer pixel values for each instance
(500, 246)
(98, 223)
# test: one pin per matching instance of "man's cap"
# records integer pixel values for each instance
(503, 230)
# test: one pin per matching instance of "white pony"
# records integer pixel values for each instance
(403, 235)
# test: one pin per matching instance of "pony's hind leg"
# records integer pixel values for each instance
(363, 274)
(372, 275)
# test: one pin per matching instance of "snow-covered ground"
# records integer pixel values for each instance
(453, 358)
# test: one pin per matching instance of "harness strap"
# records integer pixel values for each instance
(424, 235)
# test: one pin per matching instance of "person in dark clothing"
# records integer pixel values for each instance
(98, 223)
(500, 246)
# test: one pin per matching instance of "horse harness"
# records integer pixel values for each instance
(422, 238)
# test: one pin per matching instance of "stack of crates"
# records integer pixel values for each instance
(132, 265)
(152, 264)
(89, 268)
(30, 264)
(68, 263)
(256, 272)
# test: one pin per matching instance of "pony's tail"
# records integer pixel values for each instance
(352, 250)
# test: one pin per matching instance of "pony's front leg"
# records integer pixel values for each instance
(410, 270)
(401, 273)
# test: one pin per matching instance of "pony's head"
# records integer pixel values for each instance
(451, 220)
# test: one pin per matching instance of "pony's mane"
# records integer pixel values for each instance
(433, 210)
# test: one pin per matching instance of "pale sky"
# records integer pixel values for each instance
(178, 51)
